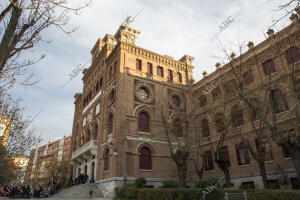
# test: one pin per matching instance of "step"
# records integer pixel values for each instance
(79, 191)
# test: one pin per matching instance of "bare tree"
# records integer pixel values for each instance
(223, 122)
(288, 7)
(197, 149)
(56, 172)
(21, 138)
(283, 49)
(22, 22)
(177, 119)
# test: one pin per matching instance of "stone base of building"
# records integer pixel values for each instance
(107, 186)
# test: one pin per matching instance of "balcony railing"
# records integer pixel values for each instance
(87, 149)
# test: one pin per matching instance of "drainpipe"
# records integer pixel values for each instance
(124, 162)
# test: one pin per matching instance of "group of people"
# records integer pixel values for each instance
(23, 192)
(81, 179)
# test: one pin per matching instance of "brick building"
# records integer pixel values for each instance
(117, 130)
(39, 158)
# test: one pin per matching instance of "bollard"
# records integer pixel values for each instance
(91, 194)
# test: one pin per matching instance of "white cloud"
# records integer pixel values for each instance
(174, 28)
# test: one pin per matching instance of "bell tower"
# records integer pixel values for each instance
(127, 34)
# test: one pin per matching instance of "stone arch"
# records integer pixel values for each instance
(145, 144)
(141, 108)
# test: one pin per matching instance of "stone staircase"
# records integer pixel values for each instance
(79, 192)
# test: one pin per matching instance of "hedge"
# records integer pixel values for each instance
(133, 193)
(167, 194)
(274, 195)
(268, 194)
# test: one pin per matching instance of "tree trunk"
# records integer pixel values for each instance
(199, 170)
(263, 174)
(295, 156)
(227, 177)
(181, 169)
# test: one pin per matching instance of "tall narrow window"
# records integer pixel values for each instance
(208, 161)
(179, 77)
(115, 67)
(253, 113)
(292, 55)
(203, 100)
(279, 103)
(100, 82)
(205, 128)
(263, 146)
(225, 156)
(269, 67)
(138, 65)
(110, 123)
(178, 130)
(219, 120)
(170, 74)
(110, 71)
(106, 160)
(97, 86)
(145, 159)
(149, 68)
(248, 77)
(285, 152)
(216, 93)
(143, 124)
(242, 154)
(160, 71)
(237, 116)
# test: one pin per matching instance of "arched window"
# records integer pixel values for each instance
(110, 71)
(219, 120)
(237, 116)
(143, 122)
(110, 123)
(106, 160)
(88, 135)
(278, 101)
(95, 134)
(205, 128)
(145, 158)
(179, 156)
(176, 100)
(242, 154)
(178, 130)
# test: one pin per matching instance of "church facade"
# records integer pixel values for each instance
(118, 133)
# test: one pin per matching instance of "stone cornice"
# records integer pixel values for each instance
(262, 50)
(165, 60)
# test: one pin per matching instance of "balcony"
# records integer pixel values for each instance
(85, 152)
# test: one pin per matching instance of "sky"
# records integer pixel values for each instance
(168, 27)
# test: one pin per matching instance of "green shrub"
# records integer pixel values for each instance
(206, 182)
(140, 182)
(126, 192)
(129, 185)
(167, 194)
(268, 194)
(170, 184)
